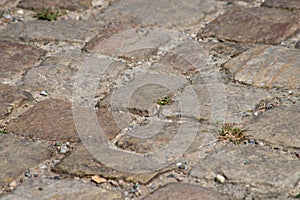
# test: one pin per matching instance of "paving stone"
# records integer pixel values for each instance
(57, 76)
(126, 42)
(17, 155)
(159, 137)
(161, 13)
(254, 25)
(278, 126)
(16, 58)
(81, 163)
(177, 191)
(64, 4)
(12, 97)
(267, 67)
(61, 30)
(264, 170)
(188, 59)
(224, 49)
(292, 4)
(218, 101)
(59, 190)
(52, 119)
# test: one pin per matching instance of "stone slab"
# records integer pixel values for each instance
(52, 120)
(187, 59)
(217, 101)
(267, 67)
(126, 42)
(61, 30)
(49, 120)
(58, 74)
(81, 163)
(60, 190)
(265, 171)
(72, 5)
(279, 126)
(160, 13)
(17, 155)
(253, 25)
(16, 58)
(12, 97)
(178, 191)
(292, 4)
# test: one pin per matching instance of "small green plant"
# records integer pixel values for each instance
(297, 196)
(48, 14)
(233, 134)
(164, 101)
(3, 131)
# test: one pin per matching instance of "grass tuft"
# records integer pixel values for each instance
(164, 101)
(233, 134)
(48, 14)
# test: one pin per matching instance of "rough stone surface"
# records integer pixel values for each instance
(260, 167)
(279, 126)
(177, 191)
(254, 25)
(267, 67)
(45, 4)
(59, 190)
(188, 59)
(160, 13)
(139, 44)
(16, 58)
(17, 155)
(57, 76)
(52, 119)
(61, 30)
(292, 4)
(219, 102)
(12, 97)
(81, 163)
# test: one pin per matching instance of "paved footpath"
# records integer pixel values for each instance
(139, 99)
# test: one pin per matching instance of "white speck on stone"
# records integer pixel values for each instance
(255, 113)
(290, 92)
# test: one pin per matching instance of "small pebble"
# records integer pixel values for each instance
(12, 184)
(251, 141)
(56, 178)
(20, 12)
(7, 16)
(44, 93)
(97, 179)
(255, 113)
(220, 178)
(290, 92)
(35, 174)
(28, 174)
(57, 144)
(64, 149)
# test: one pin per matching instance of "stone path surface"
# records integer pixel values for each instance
(138, 99)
